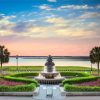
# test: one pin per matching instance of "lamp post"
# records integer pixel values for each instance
(17, 61)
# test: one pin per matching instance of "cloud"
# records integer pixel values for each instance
(75, 7)
(48, 27)
(90, 15)
(78, 7)
(56, 20)
(59, 27)
(6, 25)
(46, 7)
(1, 16)
(22, 26)
(98, 6)
(52, 0)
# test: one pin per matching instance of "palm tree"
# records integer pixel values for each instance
(4, 55)
(91, 60)
(95, 56)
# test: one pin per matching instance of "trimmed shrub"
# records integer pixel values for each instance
(73, 88)
(19, 79)
(22, 88)
(79, 80)
(30, 86)
(75, 74)
(25, 74)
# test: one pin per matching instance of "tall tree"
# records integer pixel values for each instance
(91, 60)
(95, 56)
(4, 55)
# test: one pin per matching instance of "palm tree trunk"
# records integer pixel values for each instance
(98, 67)
(1, 64)
(91, 68)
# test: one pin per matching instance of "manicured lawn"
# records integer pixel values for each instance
(22, 68)
(39, 68)
(13, 69)
(77, 69)
(73, 68)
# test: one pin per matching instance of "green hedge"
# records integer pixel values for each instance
(73, 88)
(25, 74)
(19, 79)
(79, 80)
(75, 74)
(30, 86)
(21, 88)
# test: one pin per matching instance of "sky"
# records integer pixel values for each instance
(56, 27)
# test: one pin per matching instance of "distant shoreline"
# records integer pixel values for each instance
(54, 57)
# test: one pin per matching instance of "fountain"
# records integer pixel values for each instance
(49, 74)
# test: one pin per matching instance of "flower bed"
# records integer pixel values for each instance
(79, 80)
(92, 83)
(10, 83)
(69, 84)
(28, 84)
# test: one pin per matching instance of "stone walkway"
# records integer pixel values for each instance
(56, 94)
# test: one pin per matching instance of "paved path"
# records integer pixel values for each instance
(56, 93)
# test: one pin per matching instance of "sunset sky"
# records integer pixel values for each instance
(56, 27)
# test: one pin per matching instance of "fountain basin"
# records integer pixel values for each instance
(49, 75)
(49, 78)
(43, 80)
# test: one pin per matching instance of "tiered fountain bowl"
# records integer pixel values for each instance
(49, 75)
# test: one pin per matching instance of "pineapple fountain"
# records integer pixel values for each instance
(49, 75)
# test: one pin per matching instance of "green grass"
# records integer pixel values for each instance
(74, 74)
(77, 69)
(23, 68)
(73, 68)
(13, 69)
(39, 68)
